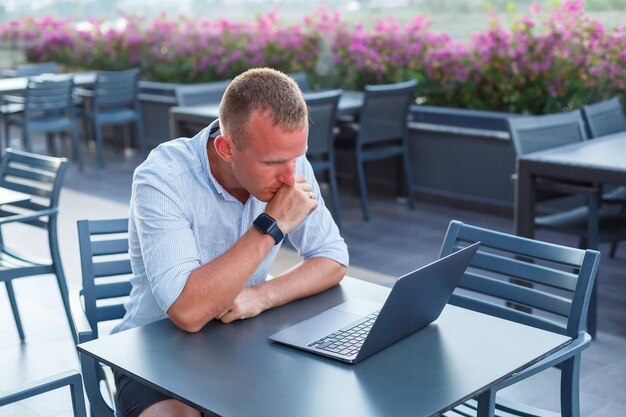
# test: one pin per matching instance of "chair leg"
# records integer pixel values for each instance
(60, 276)
(570, 387)
(408, 173)
(613, 250)
(7, 132)
(16, 313)
(26, 138)
(77, 153)
(50, 143)
(334, 190)
(99, 145)
(143, 146)
(360, 166)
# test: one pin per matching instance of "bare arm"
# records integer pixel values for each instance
(211, 289)
(307, 278)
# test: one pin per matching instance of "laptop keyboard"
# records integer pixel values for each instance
(348, 340)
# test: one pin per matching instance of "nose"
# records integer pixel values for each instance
(286, 174)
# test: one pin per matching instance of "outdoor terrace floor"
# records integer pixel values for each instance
(394, 242)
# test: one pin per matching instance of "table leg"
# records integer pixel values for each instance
(486, 404)
(175, 131)
(525, 195)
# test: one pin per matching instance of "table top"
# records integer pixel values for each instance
(350, 102)
(234, 370)
(9, 196)
(18, 84)
(602, 157)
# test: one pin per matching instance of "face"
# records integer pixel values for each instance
(269, 160)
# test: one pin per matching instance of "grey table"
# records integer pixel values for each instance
(601, 160)
(184, 119)
(234, 370)
(9, 196)
(18, 84)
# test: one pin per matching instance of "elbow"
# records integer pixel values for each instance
(341, 273)
(186, 324)
(186, 320)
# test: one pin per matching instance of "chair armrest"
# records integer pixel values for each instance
(12, 99)
(83, 329)
(579, 344)
(29, 216)
(70, 378)
(83, 92)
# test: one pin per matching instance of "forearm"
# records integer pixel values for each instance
(308, 278)
(212, 288)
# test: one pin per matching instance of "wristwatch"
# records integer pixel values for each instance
(268, 226)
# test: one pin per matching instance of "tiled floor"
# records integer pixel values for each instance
(395, 241)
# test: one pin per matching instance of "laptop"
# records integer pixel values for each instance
(356, 329)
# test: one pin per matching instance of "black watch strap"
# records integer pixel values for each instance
(266, 224)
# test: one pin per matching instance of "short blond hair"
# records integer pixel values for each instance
(263, 89)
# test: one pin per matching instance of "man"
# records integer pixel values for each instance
(208, 216)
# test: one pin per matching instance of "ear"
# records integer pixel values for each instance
(224, 147)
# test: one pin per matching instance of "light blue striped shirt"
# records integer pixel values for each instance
(182, 218)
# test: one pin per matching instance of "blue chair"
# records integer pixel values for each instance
(199, 94)
(302, 80)
(48, 108)
(41, 178)
(382, 133)
(106, 274)
(31, 70)
(605, 118)
(321, 150)
(71, 379)
(114, 101)
(559, 302)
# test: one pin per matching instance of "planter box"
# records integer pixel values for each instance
(460, 157)
(463, 156)
(156, 100)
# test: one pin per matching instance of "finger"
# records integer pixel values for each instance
(300, 179)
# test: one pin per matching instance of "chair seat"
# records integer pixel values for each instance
(51, 124)
(382, 152)
(618, 195)
(113, 116)
(504, 408)
(15, 266)
(13, 108)
(574, 221)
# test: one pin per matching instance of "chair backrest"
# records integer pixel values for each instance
(116, 88)
(536, 133)
(605, 117)
(30, 70)
(302, 80)
(48, 95)
(39, 176)
(562, 279)
(198, 94)
(106, 269)
(385, 110)
(322, 115)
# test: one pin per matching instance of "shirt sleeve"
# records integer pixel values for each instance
(318, 234)
(168, 246)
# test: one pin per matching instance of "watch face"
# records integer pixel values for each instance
(264, 222)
